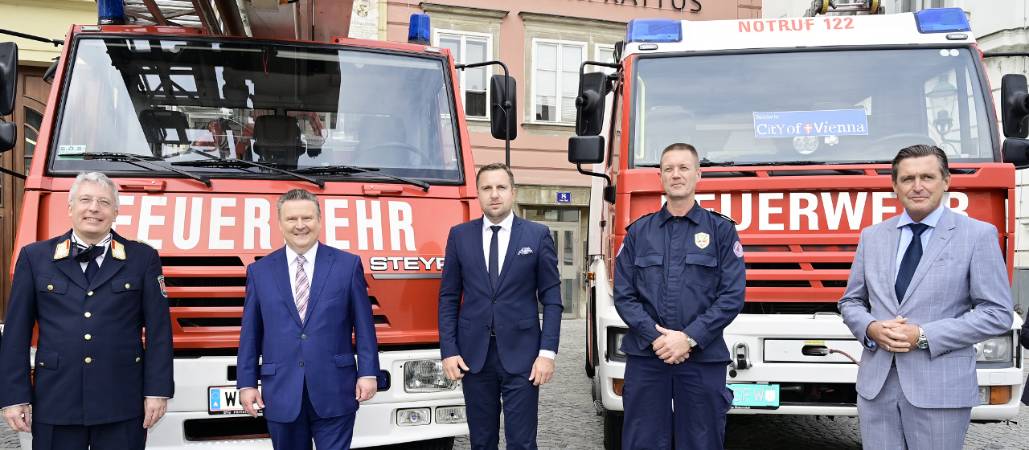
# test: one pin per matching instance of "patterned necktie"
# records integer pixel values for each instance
(494, 258)
(909, 263)
(302, 288)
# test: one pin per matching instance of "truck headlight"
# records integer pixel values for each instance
(614, 343)
(426, 375)
(996, 349)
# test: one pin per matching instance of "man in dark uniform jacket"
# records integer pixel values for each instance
(679, 281)
(92, 293)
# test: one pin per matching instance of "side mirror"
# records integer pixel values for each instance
(8, 76)
(589, 105)
(586, 149)
(8, 136)
(503, 107)
(1016, 151)
(1014, 108)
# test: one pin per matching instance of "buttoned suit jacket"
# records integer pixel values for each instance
(319, 351)
(469, 305)
(124, 298)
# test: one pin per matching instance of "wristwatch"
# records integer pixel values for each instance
(923, 342)
(693, 343)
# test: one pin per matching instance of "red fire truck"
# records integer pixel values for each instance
(202, 132)
(796, 121)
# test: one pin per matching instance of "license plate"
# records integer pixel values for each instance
(224, 400)
(755, 395)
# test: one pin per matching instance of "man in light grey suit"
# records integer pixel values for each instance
(918, 313)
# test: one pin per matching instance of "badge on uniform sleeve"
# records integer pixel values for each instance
(702, 240)
(117, 250)
(164, 289)
(737, 248)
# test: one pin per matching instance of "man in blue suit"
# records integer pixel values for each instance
(92, 293)
(679, 281)
(925, 286)
(304, 304)
(498, 268)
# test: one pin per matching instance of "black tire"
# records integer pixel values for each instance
(613, 430)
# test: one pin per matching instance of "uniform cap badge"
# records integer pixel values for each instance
(702, 240)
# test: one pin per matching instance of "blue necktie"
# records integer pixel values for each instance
(909, 263)
(494, 264)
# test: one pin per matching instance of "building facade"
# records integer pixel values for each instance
(543, 43)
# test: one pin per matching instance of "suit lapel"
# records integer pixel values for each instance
(512, 246)
(323, 261)
(888, 264)
(111, 266)
(478, 256)
(941, 236)
(280, 273)
(68, 265)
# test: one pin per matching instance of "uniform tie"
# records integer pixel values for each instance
(88, 255)
(909, 262)
(494, 269)
(302, 288)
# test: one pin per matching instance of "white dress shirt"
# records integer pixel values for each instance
(503, 238)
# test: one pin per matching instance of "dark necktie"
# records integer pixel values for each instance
(88, 255)
(909, 262)
(494, 264)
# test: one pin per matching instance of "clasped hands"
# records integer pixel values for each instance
(673, 347)
(894, 335)
(454, 368)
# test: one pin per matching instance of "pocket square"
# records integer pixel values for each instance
(524, 251)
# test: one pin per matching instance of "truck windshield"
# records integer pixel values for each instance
(291, 107)
(811, 107)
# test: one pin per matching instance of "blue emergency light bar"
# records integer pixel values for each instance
(110, 12)
(941, 20)
(418, 30)
(654, 30)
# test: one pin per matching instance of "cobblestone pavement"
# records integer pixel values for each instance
(568, 420)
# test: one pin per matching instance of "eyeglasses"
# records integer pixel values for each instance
(87, 201)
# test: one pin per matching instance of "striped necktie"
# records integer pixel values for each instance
(302, 288)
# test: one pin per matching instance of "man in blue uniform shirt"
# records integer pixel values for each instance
(679, 281)
(92, 293)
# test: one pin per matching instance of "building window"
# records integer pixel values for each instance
(604, 53)
(468, 48)
(556, 79)
(33, 122)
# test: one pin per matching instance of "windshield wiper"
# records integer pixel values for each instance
(214, 161)
(134, 159)
(349, 170)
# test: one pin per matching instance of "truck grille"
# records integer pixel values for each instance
(779, 271)
(206, 296)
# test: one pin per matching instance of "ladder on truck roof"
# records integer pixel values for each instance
(315, 20)
(858, 7)
(220, 17)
